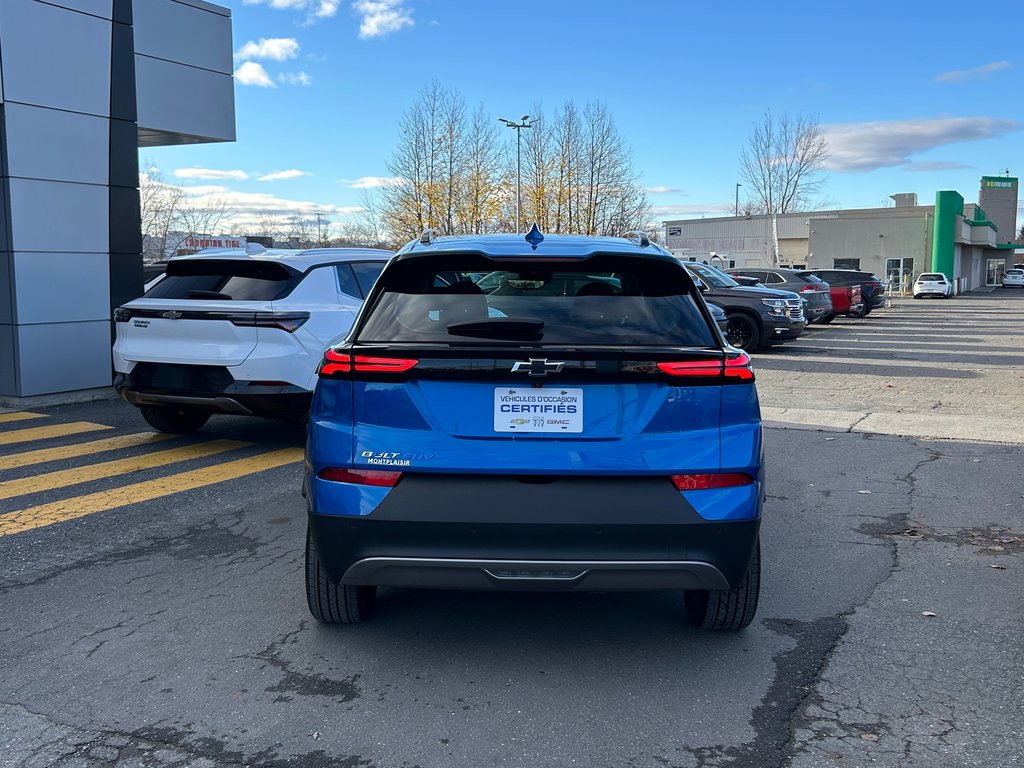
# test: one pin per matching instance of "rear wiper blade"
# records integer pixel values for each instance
(518, 327)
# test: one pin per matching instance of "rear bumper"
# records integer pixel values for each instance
(241, 398)
(501, 533)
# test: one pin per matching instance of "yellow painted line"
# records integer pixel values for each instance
(41, 456)
(7, 418)
(65, 477)
(80, 506)
(53, 430)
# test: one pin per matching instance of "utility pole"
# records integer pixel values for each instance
(319, 230)
(736, 210)
(519, 183)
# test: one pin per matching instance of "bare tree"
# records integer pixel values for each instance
(195, 218)
(159, 203)
(783, 162)
(455, 177)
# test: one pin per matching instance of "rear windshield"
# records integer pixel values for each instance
(811, 278)
(712, 276)
(932, 276)
(603, 300)
(225, 280)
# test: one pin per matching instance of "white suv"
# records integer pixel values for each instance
(932, 284)
(1014, 277)
(236, 332)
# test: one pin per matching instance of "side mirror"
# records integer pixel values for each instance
(701, 285)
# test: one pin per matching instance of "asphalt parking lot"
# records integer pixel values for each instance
(152, 609)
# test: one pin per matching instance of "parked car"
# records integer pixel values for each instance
(846, 300)
(814, 291)
(237, 333)
(1014, 278)
(534, 440)
(871, 287)
(932, 284)
(758, 316)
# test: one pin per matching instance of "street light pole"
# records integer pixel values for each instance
(519, 185)
(736, 210)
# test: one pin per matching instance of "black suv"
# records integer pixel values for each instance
(815, 292)
(872, 290)
(758, 316)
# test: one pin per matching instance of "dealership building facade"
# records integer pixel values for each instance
(83, 85)
(970, 242)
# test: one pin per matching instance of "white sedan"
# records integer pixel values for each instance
(932, 284)
(1013, 278)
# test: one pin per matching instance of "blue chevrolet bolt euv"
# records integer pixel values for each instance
(535, 413)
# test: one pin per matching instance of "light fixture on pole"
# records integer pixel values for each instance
(523, 123)
(736, 210)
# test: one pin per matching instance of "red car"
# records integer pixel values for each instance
(846, 300)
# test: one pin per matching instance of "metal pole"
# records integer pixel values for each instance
(519, 181)
(736, 210)
(523, 123)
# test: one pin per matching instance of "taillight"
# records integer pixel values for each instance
(286, 321)
(340, 362)
(692, 368)
(122, 315)
(737, 366)
(360, 476)
(808, 288)
(704, 482)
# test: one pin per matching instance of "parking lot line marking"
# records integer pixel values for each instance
(6, 418)
(65, 477)
(88, 504)
(53, 430)
(43, 455)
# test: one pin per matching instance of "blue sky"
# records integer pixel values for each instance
(915, 96)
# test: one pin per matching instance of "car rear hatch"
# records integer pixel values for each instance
(591, 368)
(206, 311)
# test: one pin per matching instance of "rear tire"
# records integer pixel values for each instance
(860, 310)
(727, 609)
(176, 421)
(826, 319)
(743, 332)
(332, 603)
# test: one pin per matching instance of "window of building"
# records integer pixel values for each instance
(675, 231)
(846, 263)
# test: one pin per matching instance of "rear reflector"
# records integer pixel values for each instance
(340, 362)
(712, 480)
(360, 476)
(737, 367)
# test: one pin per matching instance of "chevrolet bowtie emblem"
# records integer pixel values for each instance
(537, 367)
(172, 315)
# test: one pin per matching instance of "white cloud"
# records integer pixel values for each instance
(276, 48)
(251, 73)
(691, 211)
(382, 17)
(859, 147)
(314, 9)
(209, 174)
(663, 191)
(370, 182)
(295, 78)
(289, 174)
(978, 73)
